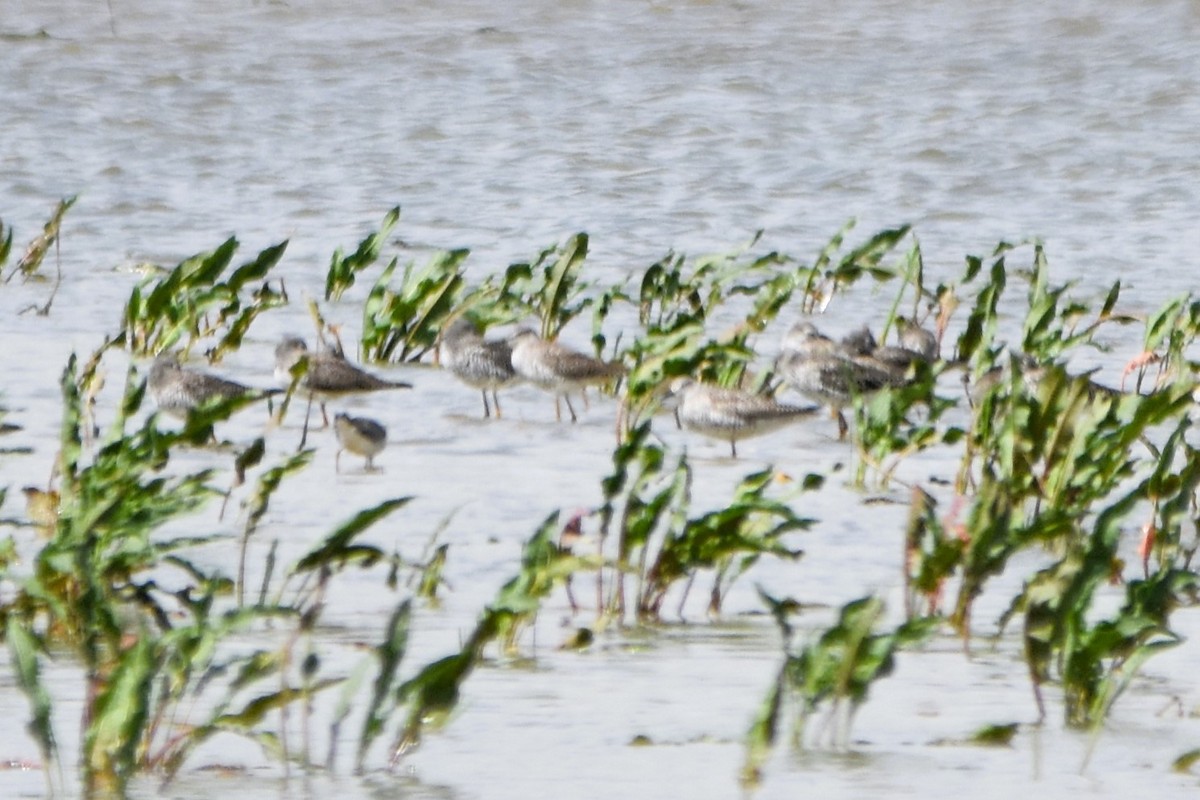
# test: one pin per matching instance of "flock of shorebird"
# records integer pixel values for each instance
(829, 372)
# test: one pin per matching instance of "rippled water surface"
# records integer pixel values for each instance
(652, 126)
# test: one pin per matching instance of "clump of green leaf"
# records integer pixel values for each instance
(198, 300)
(832, 673)
(432, 694)
(645, 512)
(550, 287)
(401, 322)
(149, 624)
(343, 268)
(830, 274)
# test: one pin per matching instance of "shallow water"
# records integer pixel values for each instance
(652, 126)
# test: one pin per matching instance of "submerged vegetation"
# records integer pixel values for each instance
(1055, 470)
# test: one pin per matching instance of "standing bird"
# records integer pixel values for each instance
(329, 375)
(559, 369)
(177, 391)
(361, 436)
(730, 414)
(830, 373)
(478, 363)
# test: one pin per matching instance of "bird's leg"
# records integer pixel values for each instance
(324, 417)
(843, 426)
(337, 460)
(496, 402)
(487, 412)
(733, 447)
(567, 397)
(557, 409)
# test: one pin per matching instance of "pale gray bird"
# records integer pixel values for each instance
(731, 414)
(917, 339)
(483, 365)
(361, 436)
(829, 372)
(329, 375)
(177, 390)
(916, 346)
(559, 369)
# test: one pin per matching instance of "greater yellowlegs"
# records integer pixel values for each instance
(559, 369)
(328, 375)
(177, 390)
(361, 436)
(484, 365)
(730, 414)
(828, 372)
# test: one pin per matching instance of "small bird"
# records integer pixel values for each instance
(914, 347)
(559, 369)
(916, 339)
(830, 373)
(478, 363)
(329, 375)
(361, 436)
(177, 391)
(730, 414)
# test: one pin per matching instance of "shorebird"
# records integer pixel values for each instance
(478, 363)
(917, 346)
(361, 436)
(730, 414)
(177, 391)
(329, 375)
(916, 339)
(559, 369)
(830, 373)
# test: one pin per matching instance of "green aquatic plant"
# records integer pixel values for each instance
(1096, 658)
(259, 500)
(645, 511)
(432, 694)
(833, 672)
(831, 273)
(549, 287)
(200, 299)
(6, 237)
(1050, 461)
(899, 421)
(675, 300)
(401, 322)
(343, 268)
(169, 658)
(90, 588)
(675, 290)
(37, 249)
